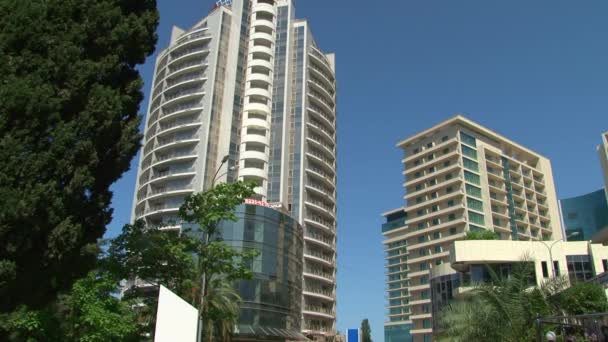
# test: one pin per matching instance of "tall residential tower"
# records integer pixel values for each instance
(247, 94)
(459, 177)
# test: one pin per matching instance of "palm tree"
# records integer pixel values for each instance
(503, 309)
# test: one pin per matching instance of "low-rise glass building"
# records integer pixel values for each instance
(272, 301)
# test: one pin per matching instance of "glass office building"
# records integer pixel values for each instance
(272, 300)
(585, 215)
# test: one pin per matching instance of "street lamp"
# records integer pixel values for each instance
(206, 237)
(224, 160)
(550, 248)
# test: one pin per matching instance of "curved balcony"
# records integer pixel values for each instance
(317, 258)
(254, 76)
(260, 190)
(173, 157)
(325, 148)
(187, 55)
(262, 35)
(160, 210)
(175, 127)
(321, 89)
(254, 155)
(319, 240)
(187, 68)
(262, 22)
(325, 225)
(175, 142)
(168, 192)
(252, 172)
(324, 70)
(179, 111)
(321, 175)
(319, 101)
(162, 177)
(321, 159)
(176, 49)
(319, 275)
(319, 293)
(319, 129)
(256, 123)
(321, 208)
(320, 115)
(254, 107)
(258, 92)
(263, 7)
(184, 81)
(183, 96)
(321, 60)
(245, 138)
(260, 49)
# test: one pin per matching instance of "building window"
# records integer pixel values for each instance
(422, 252)
(579, 268)
(572, 216)
(421, 239)
(418, 187)
(447, 163)
(432, 169)
(543, 265)
(556, 268)
(424, 280)
(469, 164)
(474, 204)
(434, 195)
(438, 249)
(435, 208)
(450, 203)
(429, 145)
(471, 177)
(448, 176)
(430, 157)
(417, 175)
(420, 212)
(445, 138)
(432, 182)
(426, 324)
(437, 235)
(424, 266)
(421, 225)
(417, 162)
(467, 139)
(449, 189)
(416, 150)
(446, 150)
(473, 190)
(469, 152)
(451, 217)
(419, 199)
(476, 218)
(435, 222)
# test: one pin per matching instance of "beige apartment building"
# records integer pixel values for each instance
(459, 177)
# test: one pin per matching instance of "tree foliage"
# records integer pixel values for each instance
(184, 261)
(89, 312)
(366, 331)
(68, 129)
(505, 308)
(481, 235)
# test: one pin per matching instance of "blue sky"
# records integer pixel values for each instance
(534, 71)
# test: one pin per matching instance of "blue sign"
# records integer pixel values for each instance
(353, 335)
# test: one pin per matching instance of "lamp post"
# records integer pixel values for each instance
(203, 277)
(550, 248)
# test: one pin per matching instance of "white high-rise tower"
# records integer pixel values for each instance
(248, 82)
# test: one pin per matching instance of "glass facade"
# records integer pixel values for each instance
(272, 300)
(397, 333)
(585, 215)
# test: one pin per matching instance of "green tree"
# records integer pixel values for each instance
(194, 263)
(582, 298)
(89, 312)
(481, 235)
(69, 122)
(366, 331)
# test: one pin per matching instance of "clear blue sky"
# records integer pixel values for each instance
(535, 71)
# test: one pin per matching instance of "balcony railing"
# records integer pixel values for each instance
(176, 138)
(319, 237)
(320, 309)
(394, 224)
(319, 255)
(183, 106)
(318, 272)
(319, 290)
(187, 77)
(174, 155)
(173, 172)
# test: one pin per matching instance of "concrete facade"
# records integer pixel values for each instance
(248, 83)
(460, 177)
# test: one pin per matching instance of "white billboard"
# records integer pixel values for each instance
(176, 319)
